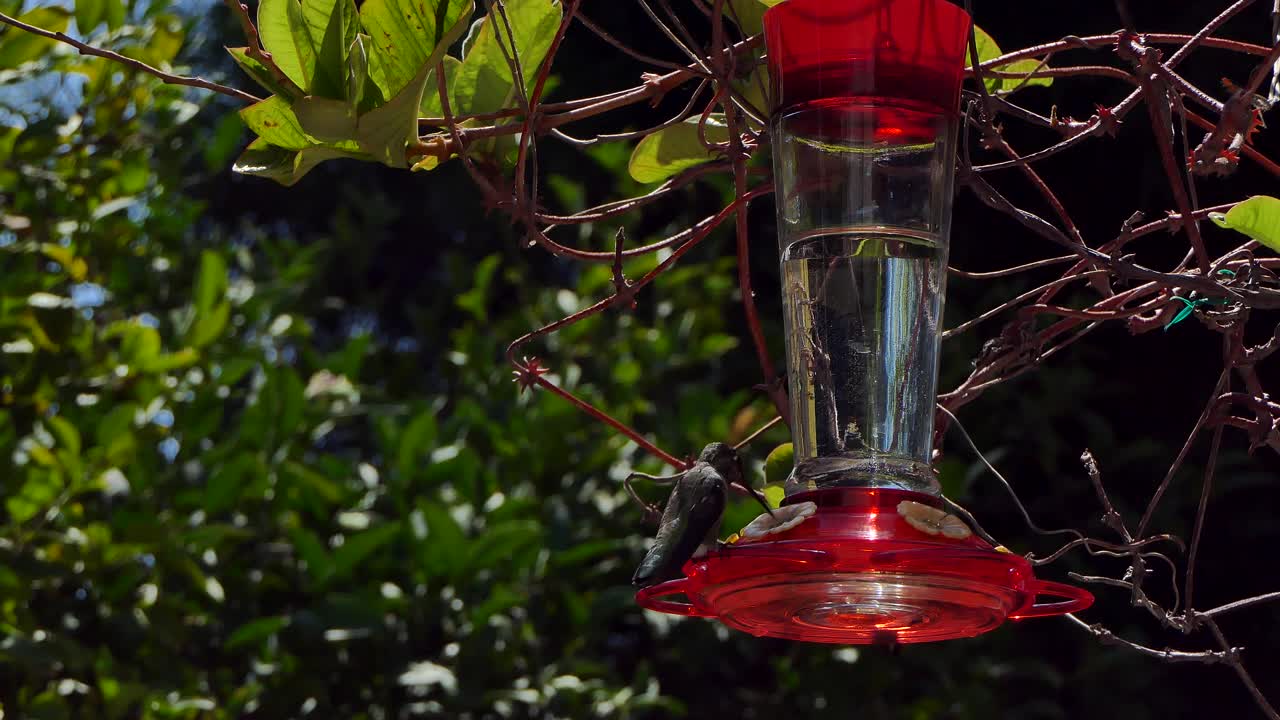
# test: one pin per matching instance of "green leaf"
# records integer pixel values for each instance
(359, 547)
(260, 73)
(1258, 217)
(287, 388)
(431, 106)
(406, 34)
(223, 142)
(89, 14)
(36, 494)
(114, 13)
(332, 26)
(485, 82)
(211, 283)
(669, 151)
(325, 119)
(505, 541)
(417, 440)
(161, 46)
(275, 122)
(18, 47)
(584, 553)
(209, 327)
(319, 566)
(285, 35)
(1183, 314)
(384, 131)
(357, 71)
(115, 433)
(777, 467)
(227, 483)
(774, 495)
(443, 549)
(212, 311)
(139, 343)
(286, 166)
(255, 632)
(66, 433)
(166, 362)
(989, 50)
(748, 14)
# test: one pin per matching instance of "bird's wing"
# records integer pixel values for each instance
(693, 510)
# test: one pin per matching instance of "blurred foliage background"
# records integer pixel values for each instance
(260, 455)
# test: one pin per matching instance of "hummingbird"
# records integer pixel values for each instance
(690, 523)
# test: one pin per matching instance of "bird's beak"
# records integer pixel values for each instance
(760, 499)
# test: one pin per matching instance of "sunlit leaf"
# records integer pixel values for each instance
(406, 34)
(778, 465)
(485, 81)
(748, 14)
(1258, 217)
(384, 131)
(275, 122)
(260, 73)
(332, 26)
(668, 151)
(284, 35)
(989, 50)
(286, 166)
(431, 106)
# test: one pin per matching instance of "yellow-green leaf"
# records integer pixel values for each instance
(485, 82)
(989, 50)
(431, 106)
(275, 122)
(324, 119)
(1258, 217)
(285, 36)
(286, 166)
(260, 73)
(404, 34)
(668, 151)
(384, 131)
(332, 26)
(778, 465)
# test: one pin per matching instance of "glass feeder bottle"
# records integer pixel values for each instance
(866, 97)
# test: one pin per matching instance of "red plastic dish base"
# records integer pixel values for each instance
(857, 573)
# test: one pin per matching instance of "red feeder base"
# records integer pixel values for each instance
(858, 573)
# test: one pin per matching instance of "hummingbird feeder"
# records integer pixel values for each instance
(864, 125)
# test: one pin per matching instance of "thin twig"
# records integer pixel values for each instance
(170, 78)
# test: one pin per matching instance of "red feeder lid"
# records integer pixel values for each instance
(889, 49)
(858, 572)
